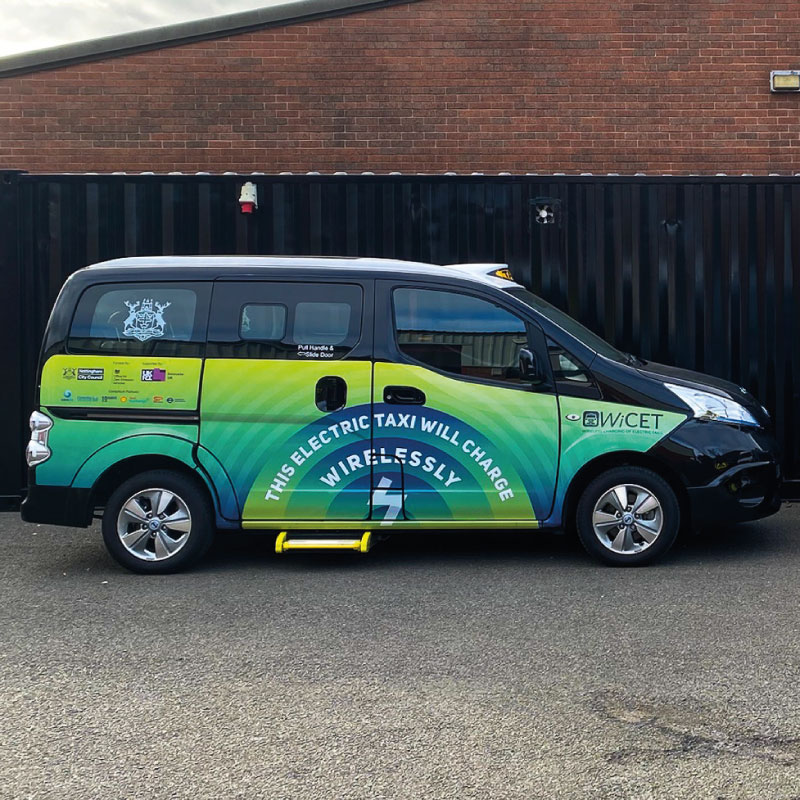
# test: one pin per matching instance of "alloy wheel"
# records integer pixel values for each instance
(627, 519)
(154, 524)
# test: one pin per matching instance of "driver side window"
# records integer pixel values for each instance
(565, 366)
(570, 374)
(460, 334)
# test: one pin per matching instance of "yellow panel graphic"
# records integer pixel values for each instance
(121, 382)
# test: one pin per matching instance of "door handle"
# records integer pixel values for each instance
(403, 395)
(331, 393)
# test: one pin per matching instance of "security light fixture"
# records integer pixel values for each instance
(784, 80)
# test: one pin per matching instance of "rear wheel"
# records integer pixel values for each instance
(628, 516)
(159, 521)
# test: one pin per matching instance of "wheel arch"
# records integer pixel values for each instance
(120, 459)
(626, 458)
(127, 468)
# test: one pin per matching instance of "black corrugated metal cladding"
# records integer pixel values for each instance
(701, 272)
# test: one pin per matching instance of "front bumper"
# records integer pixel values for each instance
(732, 474)
(751, 491)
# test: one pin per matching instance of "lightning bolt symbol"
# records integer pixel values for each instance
(393, 501)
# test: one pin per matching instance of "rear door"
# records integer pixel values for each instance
(286, 396)
(460, 435)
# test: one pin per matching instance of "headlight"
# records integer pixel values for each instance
(707, 405)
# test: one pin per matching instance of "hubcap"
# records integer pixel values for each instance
(627, 519)
(154, 524)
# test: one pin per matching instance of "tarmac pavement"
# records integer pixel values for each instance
(439, 666)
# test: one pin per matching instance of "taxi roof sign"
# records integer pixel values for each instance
(502, 271)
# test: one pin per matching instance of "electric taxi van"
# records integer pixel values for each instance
(330, 400)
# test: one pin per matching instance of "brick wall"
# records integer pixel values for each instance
(674, 86)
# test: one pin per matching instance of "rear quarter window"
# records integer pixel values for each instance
(141, 319)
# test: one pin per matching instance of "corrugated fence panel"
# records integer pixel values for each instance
(700, 272)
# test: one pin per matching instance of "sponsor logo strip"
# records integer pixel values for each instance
(118, 381)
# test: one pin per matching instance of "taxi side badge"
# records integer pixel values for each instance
(573, 417)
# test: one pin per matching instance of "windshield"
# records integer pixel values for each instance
(570, 325)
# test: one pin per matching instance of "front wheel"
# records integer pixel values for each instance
(158, 521)
(628, 516)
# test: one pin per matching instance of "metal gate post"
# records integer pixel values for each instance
(12, 429)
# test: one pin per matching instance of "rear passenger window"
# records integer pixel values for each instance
(291, 321)
(140, 319)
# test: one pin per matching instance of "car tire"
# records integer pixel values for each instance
(628, 516)
(158, 522)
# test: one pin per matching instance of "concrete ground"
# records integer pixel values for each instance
(440, 667)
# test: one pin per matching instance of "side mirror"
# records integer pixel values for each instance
(529, 367)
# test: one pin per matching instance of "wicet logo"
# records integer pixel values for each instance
(621, 420)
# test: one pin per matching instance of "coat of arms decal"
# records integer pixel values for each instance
(145, 322)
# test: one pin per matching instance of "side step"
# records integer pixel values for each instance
(320, 542)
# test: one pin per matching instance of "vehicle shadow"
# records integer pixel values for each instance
(429, 547)
(773, 538)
